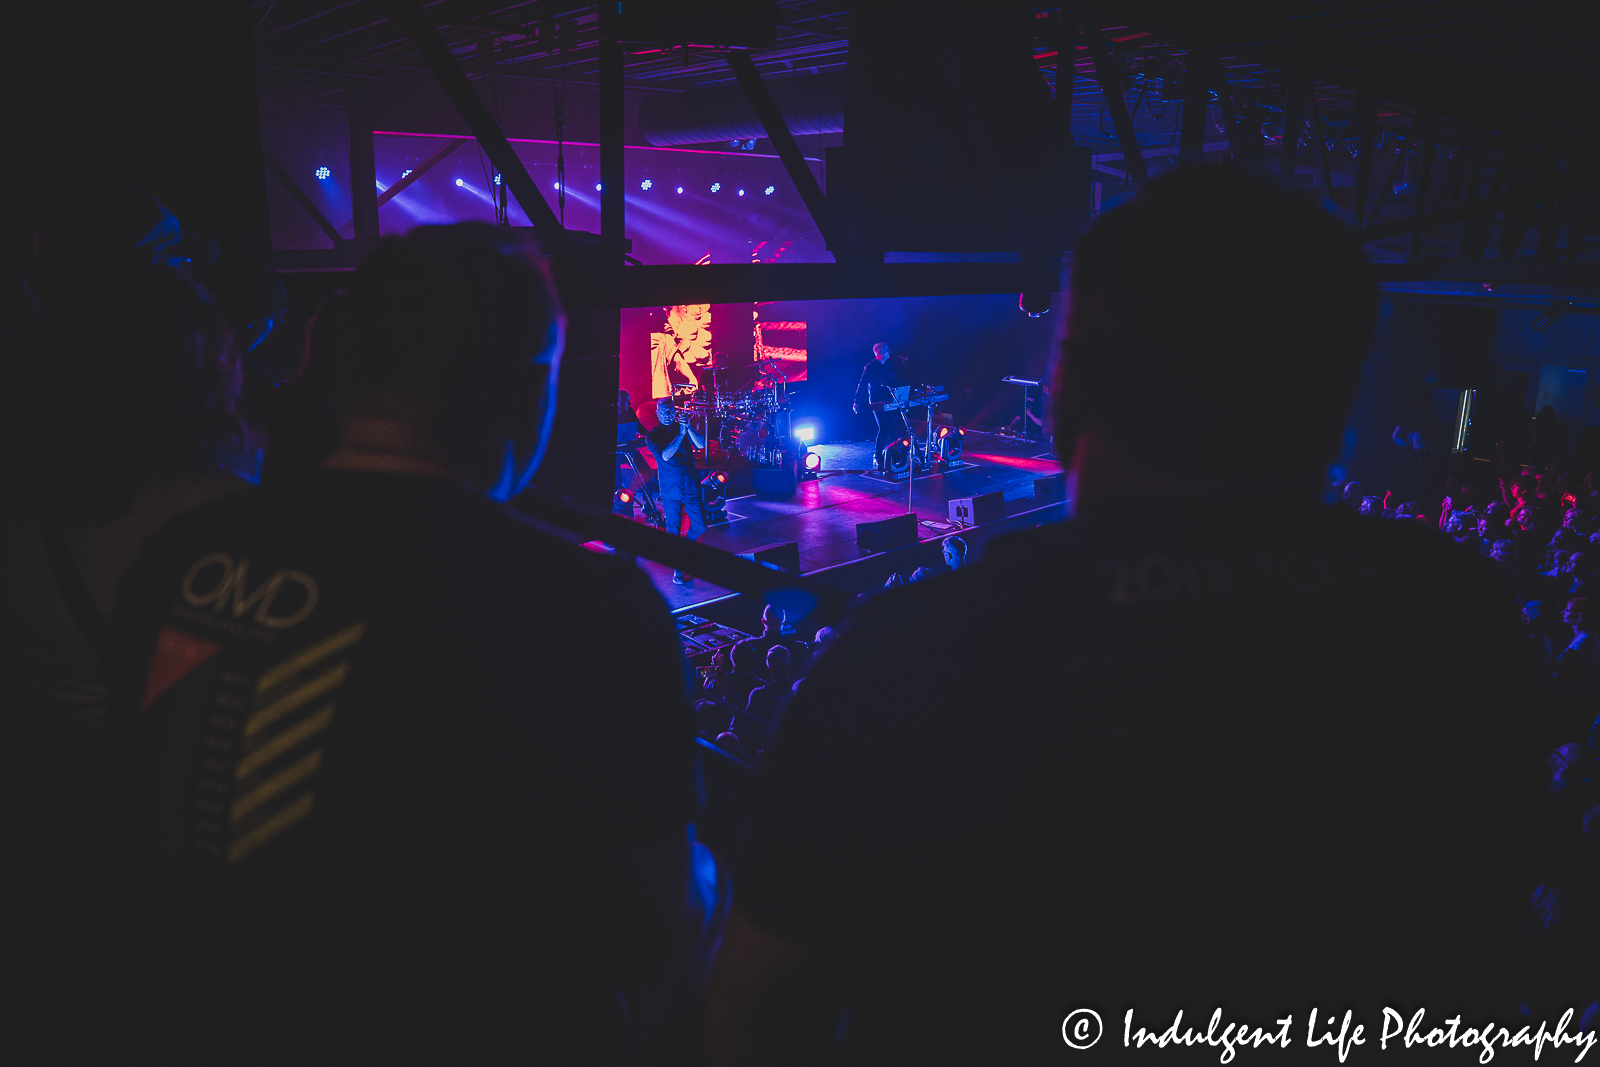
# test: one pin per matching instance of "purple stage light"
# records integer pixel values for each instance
(460, 183)
(769, 190)
(741, 192)
(716, 187)
(680, 188)
(645, 184)
(323, 173)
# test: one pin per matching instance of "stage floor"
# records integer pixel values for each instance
(822, 515)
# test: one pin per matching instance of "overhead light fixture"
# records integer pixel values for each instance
(406, 173)
(558, 185)
(645, 184)
(497, 179)
(597, 187)
(769, 190)
(323, 173)
(680, 188)
(741, 192)
(460, 184)
(716, 187)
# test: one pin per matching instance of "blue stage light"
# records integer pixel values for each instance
(769, 190)
(460, 183)
(680, 188)
(497, 179)
(597, 187)
(646, 184)
(741, 192)
(323, 173)
(805, 434)
(558, 185)
(716, 187)
(405, 172)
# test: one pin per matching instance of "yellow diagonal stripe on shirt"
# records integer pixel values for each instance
(289, 777)
(308, 727)
(296, 700)
(301, 660)
(270, 829)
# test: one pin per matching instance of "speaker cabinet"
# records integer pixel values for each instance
(785, 555)
(885, 534)
(977, 510)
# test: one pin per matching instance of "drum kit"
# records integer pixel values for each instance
(746, 424)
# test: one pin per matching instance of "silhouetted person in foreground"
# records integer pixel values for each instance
(357, 828)
(1257, 766)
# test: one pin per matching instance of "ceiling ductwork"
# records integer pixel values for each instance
(810, 103)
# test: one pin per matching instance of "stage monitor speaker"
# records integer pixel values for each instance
(1051, 490)
(977, 510)
(885, 534)
(785, 555)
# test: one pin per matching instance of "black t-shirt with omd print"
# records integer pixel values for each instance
(1267, 765)
(384, 737)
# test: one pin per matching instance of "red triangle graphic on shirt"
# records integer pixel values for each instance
(177, 653)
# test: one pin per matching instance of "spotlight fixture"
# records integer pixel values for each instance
(645, 185)
(897, 457)
(950, 442)
(741, 192)
(406, 173)
(497, 179)
(557, 185)
(623, 499)
(716, 187)
(597, 187)
(805, 434)
(813, 462)
(713, 489)
(769, 190)
(460, 184)
(323, 173)
(680, 188)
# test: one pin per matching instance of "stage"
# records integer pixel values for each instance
(823, 513)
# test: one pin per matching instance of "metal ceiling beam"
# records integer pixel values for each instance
(1246, 147)
(613, 212)
(1419, 206)
(1319, 143)
(1192, 120)
(1366, 147)
(1289, 149)
(1110, 79)
(805, 183)
(1443, 217)
(363, 161)
(409, 15)
(302, 199)
(740, 283)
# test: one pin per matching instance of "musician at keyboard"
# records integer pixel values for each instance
(874, 390)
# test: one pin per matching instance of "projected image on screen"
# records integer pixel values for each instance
(781, 350)
(681, 352)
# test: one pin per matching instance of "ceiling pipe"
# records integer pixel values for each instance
(810, 104)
